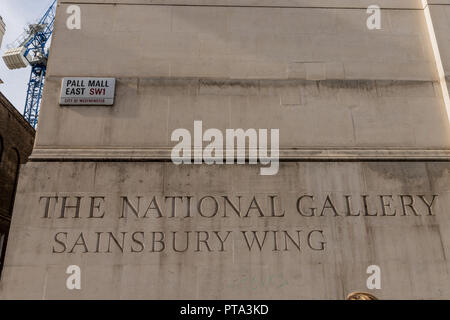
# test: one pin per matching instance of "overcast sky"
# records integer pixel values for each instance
(17, 14)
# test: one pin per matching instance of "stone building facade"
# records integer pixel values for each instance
(16, 143)
(364, 148)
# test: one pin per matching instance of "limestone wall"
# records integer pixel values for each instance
(296, 66)
(365, 149)
(336, 240)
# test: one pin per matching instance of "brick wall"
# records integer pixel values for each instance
(16, 143)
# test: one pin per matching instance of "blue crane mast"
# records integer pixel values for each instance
(31, 48)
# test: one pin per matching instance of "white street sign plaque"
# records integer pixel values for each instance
(87, 91)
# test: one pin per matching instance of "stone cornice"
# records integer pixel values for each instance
(348, 4)
(286, 154)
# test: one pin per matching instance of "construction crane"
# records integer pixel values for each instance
(31, 49)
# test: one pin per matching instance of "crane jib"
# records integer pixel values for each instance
(31, 49)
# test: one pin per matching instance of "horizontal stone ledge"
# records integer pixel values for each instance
(286, 154)
(259, 83)
(348, 4)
